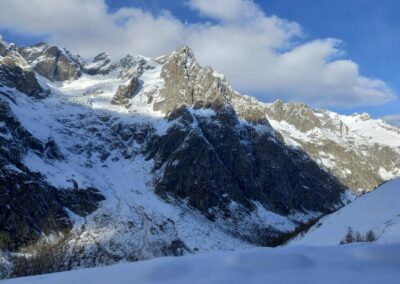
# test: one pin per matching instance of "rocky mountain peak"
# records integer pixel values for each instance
(7, 48)
(15, 73)
(101, 57)
(3, 48)
(182, 61)
(52, 62)
(363, 116)
(101, 64)
(184, 52)
(278, 103)
(187, 83)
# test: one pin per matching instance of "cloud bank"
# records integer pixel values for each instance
(260, 55)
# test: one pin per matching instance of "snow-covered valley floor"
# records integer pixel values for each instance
(353, 263)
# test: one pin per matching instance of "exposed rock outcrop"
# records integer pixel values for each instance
(24, 80)
(30, 208)
(186, 83)
(101, 65)
(51, 62)
(3, 48)
(125, 92)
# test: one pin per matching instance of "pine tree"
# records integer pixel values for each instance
(349, 238)
(370, 236)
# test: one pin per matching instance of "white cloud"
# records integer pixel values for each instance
(226, 10)
(259, 54)
(393, 119)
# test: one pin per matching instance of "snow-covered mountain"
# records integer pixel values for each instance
(377, 211)
(361, 152)
(121, 160)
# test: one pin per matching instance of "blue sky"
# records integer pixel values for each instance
(368, 31)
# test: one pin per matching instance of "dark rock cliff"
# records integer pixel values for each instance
(215, 158)
(29, 206)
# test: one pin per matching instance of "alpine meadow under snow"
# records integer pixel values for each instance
(156, 170)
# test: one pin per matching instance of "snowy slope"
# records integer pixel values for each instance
(352, 264)
(67, 116)
(378, 211)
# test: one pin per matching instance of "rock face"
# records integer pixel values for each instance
(125, 92)
(3, 48)
(186, 83)
(216, 159)
(101, 65)
(51, 62)
(131, 69)
(210, 174)
(24, 80)
(29, 206)
(141, 158)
